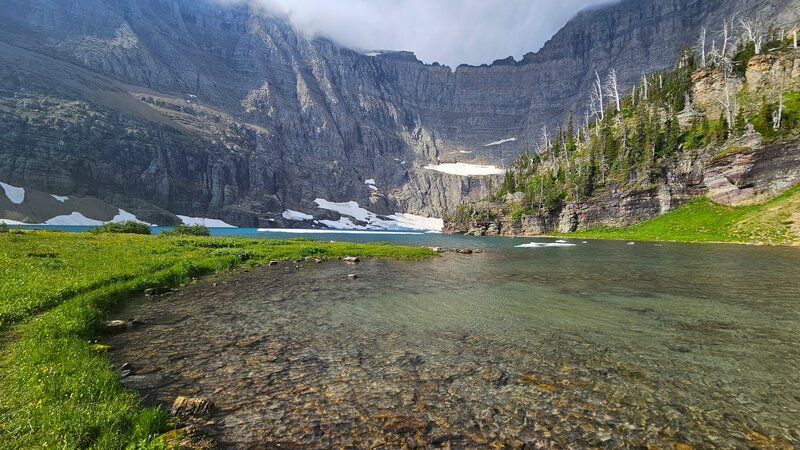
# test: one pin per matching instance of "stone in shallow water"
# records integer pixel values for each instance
(143, 382)
(115, 326)
(403, 424)
(191, 437)
(190, 406)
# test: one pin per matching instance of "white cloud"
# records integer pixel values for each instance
(451, 32)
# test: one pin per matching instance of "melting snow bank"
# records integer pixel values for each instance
(12, 222)
(397, 221)
(290, 214)
(76, 219)
(331, 231)
(465, 169)
(210, 223)
(502, 141)
(355, 218)
(415, 222)
(14, 193)
(545, 244)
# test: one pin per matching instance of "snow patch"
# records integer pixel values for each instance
(210, 223)
(342, 224)
(545, 244)
(502, 141)
(125, 216)
(464, 169)
(370, 181)
(373, 54)
(397, 221)
(61, 198)
(12, 222)
(351, 209)
(14, 193)
(296, 215)
(465, 152)
(73, 219)
(78, 219)
(415, 222)
(322, 231)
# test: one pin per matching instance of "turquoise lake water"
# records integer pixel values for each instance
(600, 344)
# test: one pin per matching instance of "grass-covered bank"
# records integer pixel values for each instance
(776, 222)
(55, 290)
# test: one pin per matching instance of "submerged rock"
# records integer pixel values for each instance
(191, 406)
(115, 326)
(191, 438)
(352, 276)
(157, 291)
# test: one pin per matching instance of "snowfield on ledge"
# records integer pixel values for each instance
(464, 169)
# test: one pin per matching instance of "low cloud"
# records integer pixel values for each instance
(451, 32)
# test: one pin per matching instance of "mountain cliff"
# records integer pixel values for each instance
(192, 107)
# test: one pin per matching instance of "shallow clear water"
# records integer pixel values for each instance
(601, 344)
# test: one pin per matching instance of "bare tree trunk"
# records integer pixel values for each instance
(726, 36)
(702, 45)
(754, 33)
(794, 33)
(728, 103)
(613, 88)
(599, 86)
(778, 116)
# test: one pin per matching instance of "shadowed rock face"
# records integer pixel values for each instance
(219, 111)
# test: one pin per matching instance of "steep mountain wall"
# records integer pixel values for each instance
(197, 108)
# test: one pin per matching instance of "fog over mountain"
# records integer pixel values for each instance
(450, 32)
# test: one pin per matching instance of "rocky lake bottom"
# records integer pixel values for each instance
(598, 345)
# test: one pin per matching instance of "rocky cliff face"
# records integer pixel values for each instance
(193, 107)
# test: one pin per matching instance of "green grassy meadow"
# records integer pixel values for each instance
(776, 222)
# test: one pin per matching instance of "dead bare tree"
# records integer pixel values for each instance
(753, 32)
(701, 44)
(546, 145)
(593, 101)
(599, 92)
(644, 86)
(728, 29)
(612, 87)
(777, 116)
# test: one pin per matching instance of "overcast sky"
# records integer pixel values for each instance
(451, 32)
